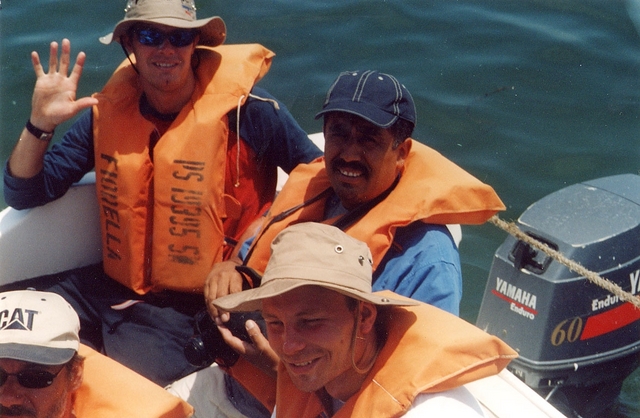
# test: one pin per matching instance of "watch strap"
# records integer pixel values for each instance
(39, 133)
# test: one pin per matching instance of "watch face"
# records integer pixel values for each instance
(38, 133)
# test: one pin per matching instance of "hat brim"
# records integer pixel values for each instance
(251, 300)
(366, 111)
(36, 354)
(213, 30)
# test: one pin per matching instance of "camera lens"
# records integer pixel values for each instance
(196, 353)
(207, 344)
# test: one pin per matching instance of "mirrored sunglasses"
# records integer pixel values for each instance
(31, 378)
(154, 37)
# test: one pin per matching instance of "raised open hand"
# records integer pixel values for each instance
(54, 96)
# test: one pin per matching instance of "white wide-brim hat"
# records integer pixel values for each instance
(174, 13)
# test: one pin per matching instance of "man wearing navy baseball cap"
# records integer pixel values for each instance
(381, 187)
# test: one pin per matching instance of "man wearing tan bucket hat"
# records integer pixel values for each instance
(185, 150)
(347, 352)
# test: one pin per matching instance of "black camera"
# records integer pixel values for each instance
(207, 344)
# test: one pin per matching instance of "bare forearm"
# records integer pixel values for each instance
(27, 157)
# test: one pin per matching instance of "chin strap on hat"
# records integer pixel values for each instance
(126, 53)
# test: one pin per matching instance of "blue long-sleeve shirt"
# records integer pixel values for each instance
(422, 263)
(272, 133)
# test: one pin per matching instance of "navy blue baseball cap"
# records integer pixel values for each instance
(374, 96)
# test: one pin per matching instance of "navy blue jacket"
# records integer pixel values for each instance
(273, 134)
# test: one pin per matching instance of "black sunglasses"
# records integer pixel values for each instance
(154, 37)
(31, 378)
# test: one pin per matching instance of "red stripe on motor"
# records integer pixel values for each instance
(609, 321)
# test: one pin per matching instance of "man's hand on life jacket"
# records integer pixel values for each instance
(54, 96)
(258, 352)
(222, 280)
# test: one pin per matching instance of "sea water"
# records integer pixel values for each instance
(528, 95)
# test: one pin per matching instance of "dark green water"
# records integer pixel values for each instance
(529, 96)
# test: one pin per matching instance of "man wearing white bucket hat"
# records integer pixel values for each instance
(185, 149)
(347, 351)
(46, 373)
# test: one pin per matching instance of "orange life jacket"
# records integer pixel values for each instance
(162, 220)
(427, 350)
(109, 390)
(431, 189)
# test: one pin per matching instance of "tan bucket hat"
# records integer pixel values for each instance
(175, 13)
(317, 254)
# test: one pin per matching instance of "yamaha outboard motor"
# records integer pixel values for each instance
(577, 342)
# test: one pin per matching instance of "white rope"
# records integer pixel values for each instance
(237, 184)
(264, 99)
(608, 285)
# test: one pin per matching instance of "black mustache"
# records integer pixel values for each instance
(355, 166)
(16, 411)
